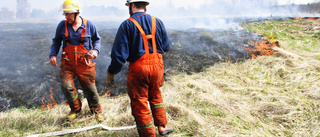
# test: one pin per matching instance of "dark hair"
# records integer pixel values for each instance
(140, 5)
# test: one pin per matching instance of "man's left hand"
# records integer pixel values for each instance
(93, 53)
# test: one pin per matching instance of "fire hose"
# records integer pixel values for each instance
(69, 131)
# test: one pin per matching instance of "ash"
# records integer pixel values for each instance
(27, 78)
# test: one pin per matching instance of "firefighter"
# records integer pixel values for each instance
(81, 43)
(142, 40)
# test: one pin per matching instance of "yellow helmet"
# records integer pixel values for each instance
(71, 6)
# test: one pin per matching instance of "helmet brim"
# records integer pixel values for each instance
(128, 3)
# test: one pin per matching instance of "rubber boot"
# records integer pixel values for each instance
(72, 115)
(164, 130)
(99, 117)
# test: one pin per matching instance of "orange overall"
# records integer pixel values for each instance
(144, 82)
(74, 64)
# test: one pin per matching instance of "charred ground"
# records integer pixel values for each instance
(27, 78)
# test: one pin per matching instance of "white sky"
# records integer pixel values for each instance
(54, 4)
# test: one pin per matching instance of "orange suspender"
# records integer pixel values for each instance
(66, 34)
(82, 34)
(146, 37)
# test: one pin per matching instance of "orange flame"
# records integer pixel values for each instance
(297, 18)
(312, 18)
(52, 99)
(309, 18)
(51, 102)
(101, 91)
(262, 47)
(108, 93)
(42, 106)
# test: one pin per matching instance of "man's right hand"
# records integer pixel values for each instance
(110, 79)
(53, 61)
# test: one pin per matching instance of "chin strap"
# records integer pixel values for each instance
(130, 9)
(75, 17)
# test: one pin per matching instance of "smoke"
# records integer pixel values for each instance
(217, 14)
(207, 14)
(178, 13)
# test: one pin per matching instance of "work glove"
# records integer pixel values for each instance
(110, 79)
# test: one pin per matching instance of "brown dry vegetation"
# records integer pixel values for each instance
(277, 95)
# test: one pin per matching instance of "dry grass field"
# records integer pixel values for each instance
(276, 95)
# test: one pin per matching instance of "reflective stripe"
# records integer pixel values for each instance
(145, 126)
(75, 98)
(154, 106)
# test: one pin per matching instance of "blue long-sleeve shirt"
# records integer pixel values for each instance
(92, 40)
(128, 43)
